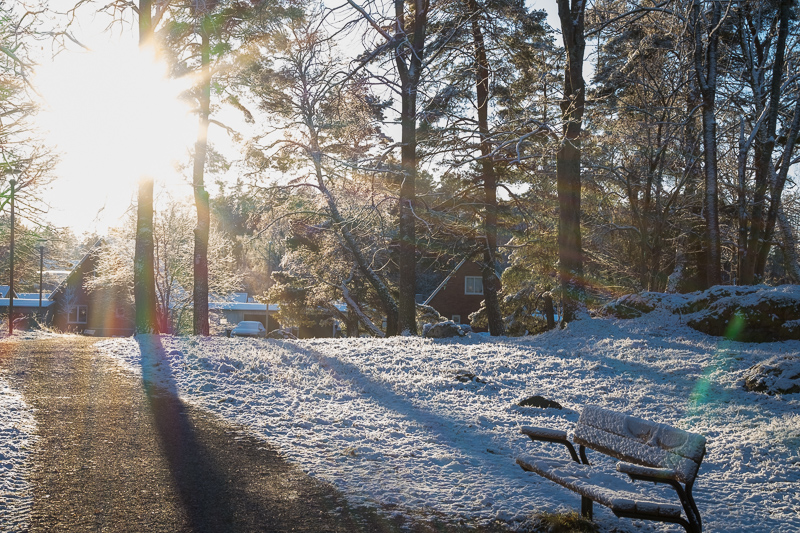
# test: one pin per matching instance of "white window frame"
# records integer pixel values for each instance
(467, 286)
(76, 309)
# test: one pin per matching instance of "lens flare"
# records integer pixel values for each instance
(115, 117)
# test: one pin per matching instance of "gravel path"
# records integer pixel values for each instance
(117, 455)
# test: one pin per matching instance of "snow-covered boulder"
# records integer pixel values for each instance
(442, 330)
(700, 301)
(628, 306)
(777, 375)
(748, 314)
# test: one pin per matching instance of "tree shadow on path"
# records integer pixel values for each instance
(228, 481)
(203, 485)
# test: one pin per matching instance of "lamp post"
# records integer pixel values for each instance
(269, 280)
(41, 271)
(13, 184)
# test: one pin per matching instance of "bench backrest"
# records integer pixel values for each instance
(640, 441)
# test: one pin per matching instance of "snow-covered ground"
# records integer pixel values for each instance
(398, 423)
(17, 427)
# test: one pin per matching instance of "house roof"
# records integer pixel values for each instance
(77, 267)
(26, 302)
(241, 306)
(450, 275)
(30, 296)
(4, 291)
(443, 283)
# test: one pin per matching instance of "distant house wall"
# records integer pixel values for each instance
(225, 315)
(104, 313)
(453, 301)
(317, 331)
(27, 312)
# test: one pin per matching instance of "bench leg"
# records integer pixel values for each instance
(586, 507)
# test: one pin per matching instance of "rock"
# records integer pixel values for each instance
(777, 375)
(466, 377)
(540, 402)
(628, 306)
(748, 314)
(706, 299)
(442, 330)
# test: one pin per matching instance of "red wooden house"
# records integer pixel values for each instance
(460, 294)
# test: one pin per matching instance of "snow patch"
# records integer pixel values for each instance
(386, 421)
(17, 427)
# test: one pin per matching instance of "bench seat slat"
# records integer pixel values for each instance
(645, 471)
(614, 492)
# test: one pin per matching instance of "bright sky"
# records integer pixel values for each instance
(115, 117)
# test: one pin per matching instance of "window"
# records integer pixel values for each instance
(77, 314)
(457, 319)
(473, 285)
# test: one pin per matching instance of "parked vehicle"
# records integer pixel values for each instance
(249, 328)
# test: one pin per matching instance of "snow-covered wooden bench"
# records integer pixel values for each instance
(649, 451)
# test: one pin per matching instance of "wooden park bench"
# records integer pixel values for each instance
(649, 451)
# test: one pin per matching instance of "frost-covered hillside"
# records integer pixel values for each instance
(421, 426)
(413, 424)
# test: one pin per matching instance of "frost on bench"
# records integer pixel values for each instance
(641, 441)
(543, 433)
(650, 452)
(614, 492)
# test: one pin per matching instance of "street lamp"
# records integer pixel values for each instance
(41, 271)
(269, 277)
(13, 184)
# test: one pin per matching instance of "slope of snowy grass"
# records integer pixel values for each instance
(389, 422)
(17, 426)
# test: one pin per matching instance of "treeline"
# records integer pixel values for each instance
(467, 128)
(638, 146)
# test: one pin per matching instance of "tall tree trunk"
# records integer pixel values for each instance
(695, 257)
(409, 65)
(144, 281)
(201, 200)
(741, 192)
(407, 35)
(789, 246)
(765, 206)
(568, 160)
(491, 283)
(705, 60)
(407, 256)
(778, 182)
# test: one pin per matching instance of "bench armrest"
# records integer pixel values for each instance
(550, 435)
(545, 434)
(645, 473)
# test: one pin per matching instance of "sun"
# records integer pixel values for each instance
(114, 117)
